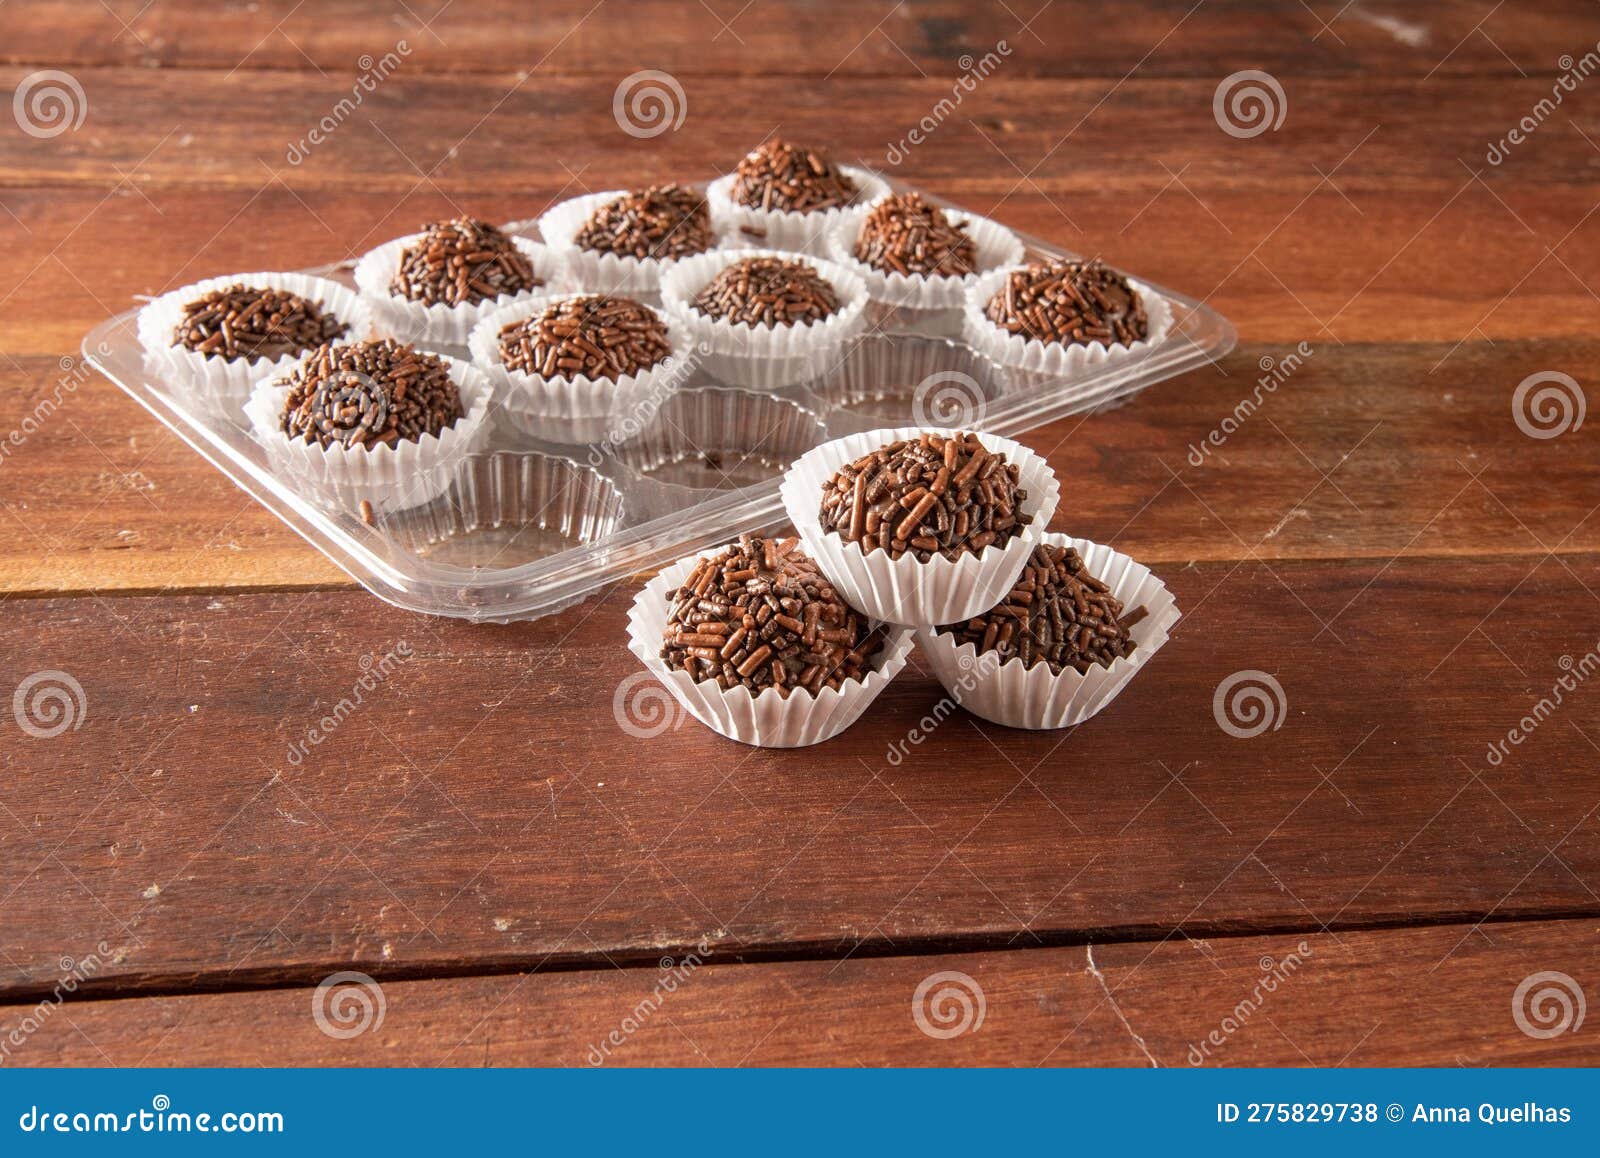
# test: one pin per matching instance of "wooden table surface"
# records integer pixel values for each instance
(1383, 537)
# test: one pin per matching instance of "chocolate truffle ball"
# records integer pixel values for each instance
(906, 235)
(462, 262)
(1057, 614)
(663, 221)
(781, 175)
(593, 335)
(253, 323)
(1069, 302)
(933, 495)
(768, 291)
(369, 394)
(760, 615)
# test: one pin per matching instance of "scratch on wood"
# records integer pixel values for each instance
(1117, 1009)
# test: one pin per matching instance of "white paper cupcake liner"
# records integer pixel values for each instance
(442, 325)
(907, 590)
(767, 720)
(608, 272)
(1018, 697)
(391, 477)
(763, 357)
(1033, 362)
(784, 229)
(577, 409)
(223, 385)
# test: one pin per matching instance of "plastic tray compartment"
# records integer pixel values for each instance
(532, 526)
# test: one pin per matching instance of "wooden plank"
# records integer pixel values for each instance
(1263, 259)
(1433, 996)
(478, 134)
(1422, 453)
(483, 805)
(1063, 38)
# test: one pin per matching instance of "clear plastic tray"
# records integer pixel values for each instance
(532, 526)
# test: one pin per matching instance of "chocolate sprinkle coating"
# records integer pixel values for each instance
(254, 323)
(1070, 302)
(369, 393)
(663, 221)
(760, 615)
(462, 262)
(594, 335)
(781, 175)
(1057, 614)
(934, 495)
(768, 291)
(906, 235)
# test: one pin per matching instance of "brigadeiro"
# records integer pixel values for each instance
(377, 422)
(763, 318)
(622, 242)
(1064, 640)
(786, 196)
(434, 286)
(920, 525)
(917, 259)
(567, 367)
(756, 643)
(1056, 316)
(215, 339)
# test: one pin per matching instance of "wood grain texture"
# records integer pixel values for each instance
(1369, 451)
(484, 806)
(1063, 38)
(1438, 996)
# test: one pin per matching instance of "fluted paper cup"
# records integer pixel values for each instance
(599, 272)
(1033, 697)
(223, 385)
(1032, 362)
(783, 228)
(440, 324)
(763, 357)
(579, 408)
(907, 590)
(392, 478)
(767, 719)
(927, 305)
